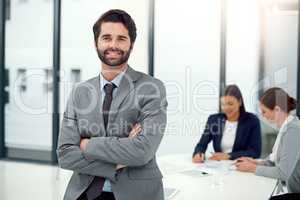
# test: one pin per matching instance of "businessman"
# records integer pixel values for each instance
(113, 123)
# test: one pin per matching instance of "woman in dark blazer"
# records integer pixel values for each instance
(234, 132)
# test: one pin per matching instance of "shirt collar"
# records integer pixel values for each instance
(116, 81)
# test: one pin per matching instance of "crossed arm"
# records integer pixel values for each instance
(136, 129)
(71, 156)
(100, 156)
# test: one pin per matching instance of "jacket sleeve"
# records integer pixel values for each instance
(290, 144)
(206, 137)
(141, 149)
(293, 181)
(254, 143)
(69, 153)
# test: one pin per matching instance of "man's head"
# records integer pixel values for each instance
(114, 35)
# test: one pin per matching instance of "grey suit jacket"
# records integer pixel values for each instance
(139, 99)
(293, 182)
(288, 149)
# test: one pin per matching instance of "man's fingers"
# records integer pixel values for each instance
(120, 166)
(136, 129)
(135, 126)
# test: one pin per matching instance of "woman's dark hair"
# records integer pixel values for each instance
(116, 15)
(233, 90)
(278, 97)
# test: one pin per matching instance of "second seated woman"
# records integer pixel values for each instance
(234, 132)
(277, 106)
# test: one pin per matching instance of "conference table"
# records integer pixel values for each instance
(212, 180)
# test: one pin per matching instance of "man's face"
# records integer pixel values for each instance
(113, 45)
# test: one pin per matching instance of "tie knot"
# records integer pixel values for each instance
(108, 88)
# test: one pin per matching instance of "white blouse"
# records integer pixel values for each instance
(228, 137)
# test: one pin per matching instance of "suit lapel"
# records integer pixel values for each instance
(239, 133)
(97, 113)
(126, 86)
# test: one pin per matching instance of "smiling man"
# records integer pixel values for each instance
(113, 123)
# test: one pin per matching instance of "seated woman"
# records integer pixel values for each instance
(276, 105)
(235, 132)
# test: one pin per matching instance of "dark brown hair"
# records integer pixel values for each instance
(233, 90)
(116, 15)
(278, 97)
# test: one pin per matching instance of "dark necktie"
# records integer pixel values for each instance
(96, 186)
(108, 89)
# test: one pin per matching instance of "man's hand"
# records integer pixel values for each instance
(245, 166)
(135, 131)
(198, 158)
(120, 167)
(220, 156)
(83, 143)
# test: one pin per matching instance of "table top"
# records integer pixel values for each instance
(221, 182)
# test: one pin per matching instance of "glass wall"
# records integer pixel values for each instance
(279, 29)
(243, 48)
(281, 47)
(28, 112)
(187, 60)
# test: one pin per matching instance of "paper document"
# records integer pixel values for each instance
(195, 173)
(213, 167)
(170, 193)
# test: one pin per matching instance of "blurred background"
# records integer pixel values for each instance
(195, 47)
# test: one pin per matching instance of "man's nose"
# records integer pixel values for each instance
(113, 44)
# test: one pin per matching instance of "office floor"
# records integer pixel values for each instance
(29, 181)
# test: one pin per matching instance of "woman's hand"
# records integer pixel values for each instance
(220, 156)
(198, 158)
(247, 159)
(245, 166)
